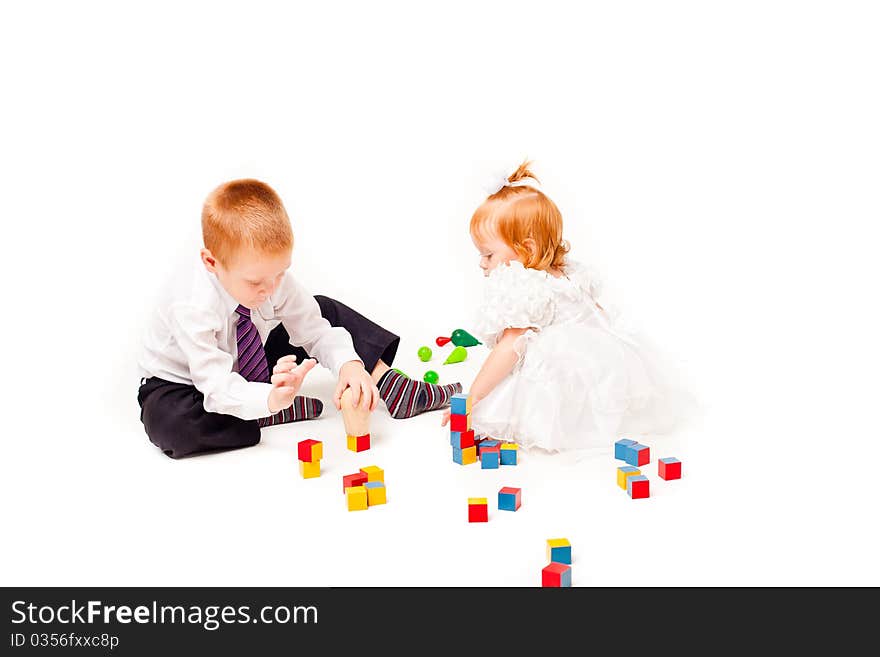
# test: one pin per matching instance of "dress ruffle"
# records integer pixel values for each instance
(581, 379)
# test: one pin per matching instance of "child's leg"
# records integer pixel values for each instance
(377, 347)
(405, 397)
(176, 421)
(371, 341)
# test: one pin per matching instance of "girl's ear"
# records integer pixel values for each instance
(529, 248)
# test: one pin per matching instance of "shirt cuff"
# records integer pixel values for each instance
(339, 357)
(256, 404)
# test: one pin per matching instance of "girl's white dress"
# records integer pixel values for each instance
(582, 380)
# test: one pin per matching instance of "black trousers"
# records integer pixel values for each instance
(174, 415)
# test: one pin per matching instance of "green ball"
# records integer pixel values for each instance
(431, 377)
(424, 354)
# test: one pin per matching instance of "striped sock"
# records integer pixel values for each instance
(303, 408)
(405, 397)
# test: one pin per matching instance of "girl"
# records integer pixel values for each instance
(562, 374)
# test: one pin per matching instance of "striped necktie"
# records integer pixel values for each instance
(252, 363)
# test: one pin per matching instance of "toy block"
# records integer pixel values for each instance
(356, 497)
(478, 509)
(558, 550)
(624, 472)
(461, 439)
(621, 446)
(310, 450)
(355, 418)
(490, 459)
(638, 487)
(669, 468)
(464, 456)
(460, 403)
(509, 453)
(509, 498)
(359, 443)
(310, 469)
(459, 422)
(638, 454)
(487, 443)
(374, 473)
(375, 492)
(556, 575)
(355, 479)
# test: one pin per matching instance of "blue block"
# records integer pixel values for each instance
(374, 484)
(620, 448)
(565, 578)
(490, 460)
(456, 455)
(508, 456)
(506, 502)
(561, 554)
(632, 453)
(459, 403)
(454, 438)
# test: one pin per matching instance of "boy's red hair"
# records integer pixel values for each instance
(245, 213)
(516, 213)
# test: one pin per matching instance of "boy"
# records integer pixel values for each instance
(227, 351)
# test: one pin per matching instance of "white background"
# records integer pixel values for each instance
(717, 162)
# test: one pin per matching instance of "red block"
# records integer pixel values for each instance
(466, 439)
(478, 512)
(669, 469)
(552, 574)
(643, 455)
(304, 449)
(362, 443)
(459, 422)
(639, 489)
(356, 479)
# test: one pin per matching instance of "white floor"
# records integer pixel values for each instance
(119, 513)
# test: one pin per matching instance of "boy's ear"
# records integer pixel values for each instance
(209, 260)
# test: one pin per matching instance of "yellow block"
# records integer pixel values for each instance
(374, 473)
(353, 442)
(356, 496)
(310, 470)
(478, 500)
(555, 543)
(623, 475)
(512, 446)
(469, 455)
(376, 494)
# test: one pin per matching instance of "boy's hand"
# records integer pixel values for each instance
(445, 419)
(364, 393)
(287, 378)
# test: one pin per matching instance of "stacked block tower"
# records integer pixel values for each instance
(310, 452)
(461, 436)
(557, 573)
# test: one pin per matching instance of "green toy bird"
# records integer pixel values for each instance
(460, 338)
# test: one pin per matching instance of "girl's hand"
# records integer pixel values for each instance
(445, 419)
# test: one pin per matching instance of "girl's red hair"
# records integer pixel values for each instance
(516, 213)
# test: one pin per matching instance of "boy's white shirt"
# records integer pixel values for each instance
(191, 339)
